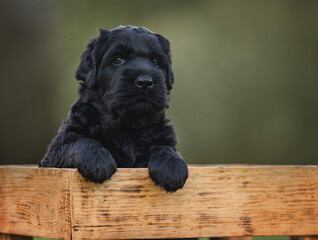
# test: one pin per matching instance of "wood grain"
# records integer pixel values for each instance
(215, 202)
(35, 201)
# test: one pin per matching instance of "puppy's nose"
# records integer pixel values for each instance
(144, 81)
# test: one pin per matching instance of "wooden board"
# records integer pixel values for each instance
(216, 201)
(35, 202)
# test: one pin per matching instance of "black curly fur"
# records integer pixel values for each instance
(115, 123)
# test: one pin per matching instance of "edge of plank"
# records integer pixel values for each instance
(232, 196)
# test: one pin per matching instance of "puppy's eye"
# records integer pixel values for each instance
(118, 61)
(155, 61)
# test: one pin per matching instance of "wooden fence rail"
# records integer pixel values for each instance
(217, 201)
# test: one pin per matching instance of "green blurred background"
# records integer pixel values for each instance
(246, 74)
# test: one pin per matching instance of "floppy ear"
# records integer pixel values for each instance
(166, 47)
(86, 71)
(170, 77)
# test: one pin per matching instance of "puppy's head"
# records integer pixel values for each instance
(129, 69)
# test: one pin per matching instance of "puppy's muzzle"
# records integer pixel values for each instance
(144, 81)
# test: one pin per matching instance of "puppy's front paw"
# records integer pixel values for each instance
(169, 172)
(96, 164)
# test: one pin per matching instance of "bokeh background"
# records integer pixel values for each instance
(246, 74)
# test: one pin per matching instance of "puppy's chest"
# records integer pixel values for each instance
(129, 148)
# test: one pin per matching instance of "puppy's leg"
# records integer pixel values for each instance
(167, 169)
(92, 160)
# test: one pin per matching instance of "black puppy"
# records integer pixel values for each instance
(119, 119)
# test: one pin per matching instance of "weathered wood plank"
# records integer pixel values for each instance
(216, 201)
(35, 201)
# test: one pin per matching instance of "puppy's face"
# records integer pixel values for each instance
(130, 68)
